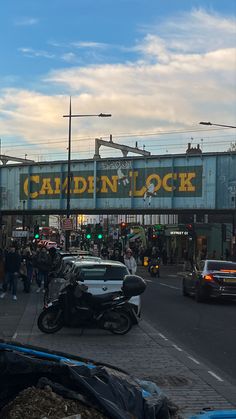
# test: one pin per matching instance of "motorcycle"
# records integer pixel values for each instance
(76, 307)
(154, 267)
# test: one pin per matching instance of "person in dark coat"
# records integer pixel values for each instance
(12, 269)
(117, 256)
(43, 263)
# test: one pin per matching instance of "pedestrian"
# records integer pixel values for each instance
(164, 256)
(43, 265)
(116, 255)
(28, 275)
(56, 264)
(227, 254)
(2, 271)
(130, 261)
(12, 268)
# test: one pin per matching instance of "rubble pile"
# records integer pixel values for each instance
(36, 403)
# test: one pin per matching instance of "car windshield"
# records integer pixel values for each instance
(221, 266)
(105, 273)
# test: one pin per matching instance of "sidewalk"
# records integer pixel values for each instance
(144, 352)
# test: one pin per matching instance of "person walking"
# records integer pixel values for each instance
(130, 261)
(2, 271)
(116, 255)
(43, 262)
(12, 268)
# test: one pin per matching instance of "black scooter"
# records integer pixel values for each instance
(154, 267)
(75, 307)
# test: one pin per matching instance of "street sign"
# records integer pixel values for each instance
(18, 234)
(67, 224)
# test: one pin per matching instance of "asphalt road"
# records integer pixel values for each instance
(207, 331)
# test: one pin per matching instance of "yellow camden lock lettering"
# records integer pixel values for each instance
(112, 184)
(80, 184)
(185, 182)
(35, 186)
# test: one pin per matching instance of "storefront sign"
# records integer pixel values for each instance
(178, 233)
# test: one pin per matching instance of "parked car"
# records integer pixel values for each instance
(211, 278)
(102, 277)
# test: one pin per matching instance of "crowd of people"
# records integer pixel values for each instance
(23, 265)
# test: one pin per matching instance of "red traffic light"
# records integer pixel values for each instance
(190, 229)
(123, 229)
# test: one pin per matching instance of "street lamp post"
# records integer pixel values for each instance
(23, 216)
(68, 192)
(218, 125)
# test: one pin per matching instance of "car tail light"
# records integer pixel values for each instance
(230, 271)
(208, 278)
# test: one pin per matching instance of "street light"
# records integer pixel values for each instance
(218, 125)
(101, 115)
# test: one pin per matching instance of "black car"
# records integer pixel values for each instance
(212, 278)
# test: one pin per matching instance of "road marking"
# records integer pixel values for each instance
(215, 376)
(194, 360)
(169, 286)
(177, 347)
(172, 276)
(14, 336)
(162, 336)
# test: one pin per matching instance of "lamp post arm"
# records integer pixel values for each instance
(218, 125)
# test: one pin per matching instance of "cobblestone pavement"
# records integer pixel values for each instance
(143, 352)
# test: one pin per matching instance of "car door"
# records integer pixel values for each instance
(196, 277)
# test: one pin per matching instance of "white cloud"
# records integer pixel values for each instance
(69, 57)
(30, 52)
(26, 21)
(186, 72)
(93, 45)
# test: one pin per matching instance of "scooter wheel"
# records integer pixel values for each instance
(123, 323)
(50, 320)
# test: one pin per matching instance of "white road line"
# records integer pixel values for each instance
(14, 336)
(177, 347)
(215, 376)
(194, 360)
(162, 336)
(169, 286)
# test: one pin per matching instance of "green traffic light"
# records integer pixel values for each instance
(88, 236)
(36, 236)
(100, 236)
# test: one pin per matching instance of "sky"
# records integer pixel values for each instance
(159, 67)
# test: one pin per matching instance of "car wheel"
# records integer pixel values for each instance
(200, 296)
(184, 289)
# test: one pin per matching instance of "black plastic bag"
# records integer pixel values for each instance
(115, 393)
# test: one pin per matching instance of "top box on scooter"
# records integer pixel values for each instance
(133, 285)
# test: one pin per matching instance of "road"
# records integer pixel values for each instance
(206, 331)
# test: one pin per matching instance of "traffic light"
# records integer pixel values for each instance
(88, 234)
(150, 233)
(223, 230)
(99, 232)
(123, 229)
(36, 231)
(190, 229)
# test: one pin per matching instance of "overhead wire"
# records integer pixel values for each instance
(121, 135)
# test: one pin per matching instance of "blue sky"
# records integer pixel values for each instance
(159, 67)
